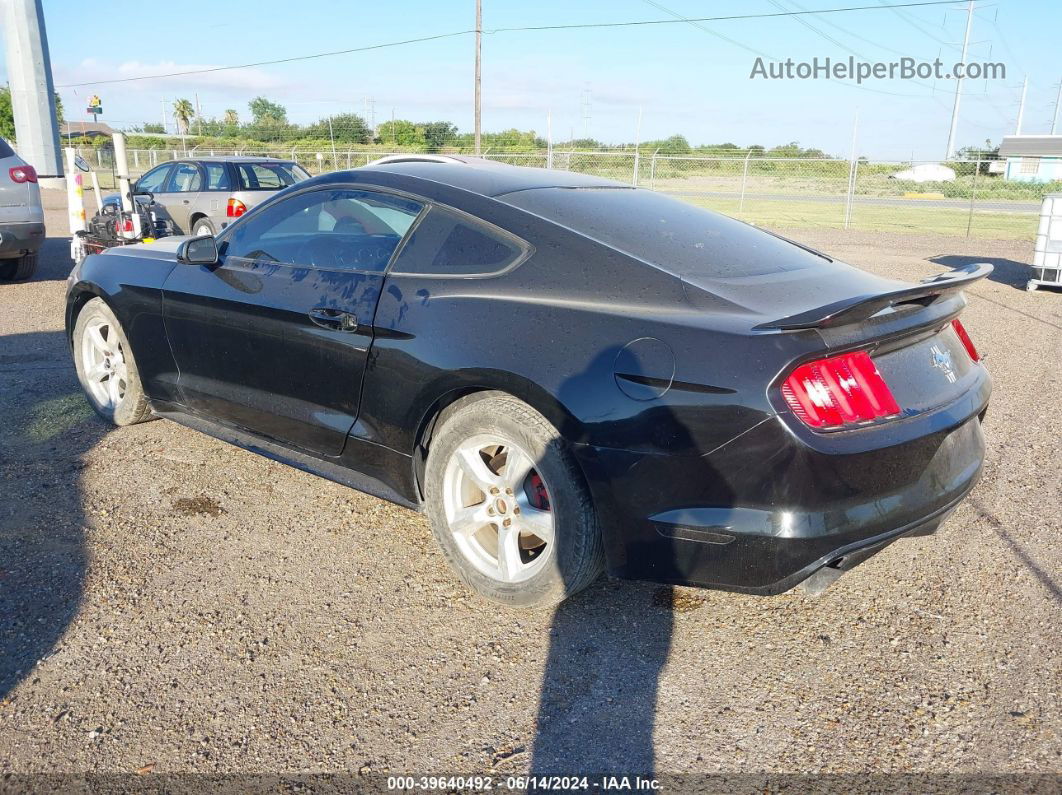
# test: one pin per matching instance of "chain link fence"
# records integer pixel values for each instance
(975, 198)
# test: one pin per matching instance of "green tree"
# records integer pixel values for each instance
(182, 114)
(153, 127)
(7, 116)
(266, 113)
(348, 128)
(439, 134)
(401, 133)
(232, 118)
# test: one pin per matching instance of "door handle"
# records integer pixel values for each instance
(335, 319)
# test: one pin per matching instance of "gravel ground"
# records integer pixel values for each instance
(168, 602)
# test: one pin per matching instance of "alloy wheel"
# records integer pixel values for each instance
(498, 508)
(103, 363)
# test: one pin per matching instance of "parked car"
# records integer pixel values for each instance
(565, 373)
(201, 196)
(21, 216)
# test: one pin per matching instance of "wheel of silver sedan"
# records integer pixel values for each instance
(497, 507)
(103, 363)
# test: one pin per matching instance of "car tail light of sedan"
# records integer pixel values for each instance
(964, 338)
(839, 391)
(235, 208)
(22, 174)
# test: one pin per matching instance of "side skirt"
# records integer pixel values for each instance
(285, 455)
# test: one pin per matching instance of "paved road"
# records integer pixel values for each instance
(171, 603)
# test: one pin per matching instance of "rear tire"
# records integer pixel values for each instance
(508, 505)
(203, 226)
(105, 366)
(20, 269)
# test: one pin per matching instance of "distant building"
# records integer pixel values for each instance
(1032, 158)
(87, 129)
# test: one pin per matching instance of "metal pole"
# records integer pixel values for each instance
(333, 139)
(479, 98)
(637, 145)
(958, 82)
(852, 169)
(744, 180)
(1021, 105)
(652, 170)
(1058, 101)
(973, 192)
(29, 73)
(549, 139)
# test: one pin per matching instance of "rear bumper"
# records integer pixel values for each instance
(765, 512)
(20, 238)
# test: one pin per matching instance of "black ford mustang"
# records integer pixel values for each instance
(565, 373)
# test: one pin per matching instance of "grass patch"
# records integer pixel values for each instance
(921, 220)
(52, 417)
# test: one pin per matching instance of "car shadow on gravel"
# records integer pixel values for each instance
(54, 263)
(1005, 271)
(609, 645)
(47, 428)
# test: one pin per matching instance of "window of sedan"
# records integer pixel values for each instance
(217, 176)
(185, 179)
(154, 179)
(332, 229)
(448, 243)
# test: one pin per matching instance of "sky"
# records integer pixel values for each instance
(681, 78)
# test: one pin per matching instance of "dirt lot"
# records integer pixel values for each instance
(170, 601)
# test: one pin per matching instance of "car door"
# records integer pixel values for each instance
(275, 337)
(180, 194)
(153, 182)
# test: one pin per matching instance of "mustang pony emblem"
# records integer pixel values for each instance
(942, 360)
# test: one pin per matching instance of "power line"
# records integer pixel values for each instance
(527, 28)
(709, 31)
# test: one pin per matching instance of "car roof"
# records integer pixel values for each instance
(235, 159)
(484, 177)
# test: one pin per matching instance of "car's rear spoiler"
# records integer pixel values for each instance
(852, 310)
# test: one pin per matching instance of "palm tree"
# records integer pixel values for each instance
(232, 118)
(183, 113)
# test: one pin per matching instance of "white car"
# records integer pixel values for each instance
(926, 172)
(21, 216)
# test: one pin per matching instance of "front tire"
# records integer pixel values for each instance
(508, 505)
(105, 366)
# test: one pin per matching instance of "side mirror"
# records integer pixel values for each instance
(198, 251)
(149, 194)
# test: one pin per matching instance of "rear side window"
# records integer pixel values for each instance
(217, 176)
(676, 236)
(268, 176)
(446, 243)
(5, 149)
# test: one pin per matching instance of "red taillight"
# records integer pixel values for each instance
(23, 174)
(235, 208)
(842, 390)
(964, 338)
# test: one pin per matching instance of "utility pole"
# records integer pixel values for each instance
(1021, 105)
(1058, 101)
(164, 127)
(199, 114)
(29, 72)
(479, 92)
(958, 82)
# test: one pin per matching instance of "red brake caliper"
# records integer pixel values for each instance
(539, 497)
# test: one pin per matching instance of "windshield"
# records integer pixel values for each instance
(269, 176)
(676, 236)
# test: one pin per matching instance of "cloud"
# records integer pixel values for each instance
(242, 80)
